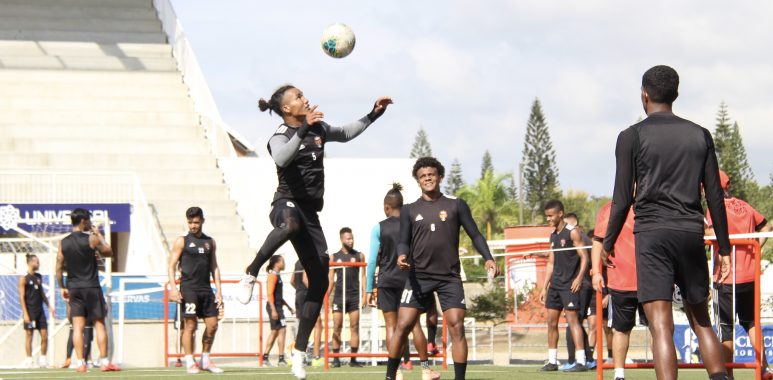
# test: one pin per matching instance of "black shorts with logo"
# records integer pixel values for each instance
(591, 310)
(388, 299)
(666, 257)
(557, 299)
(744, 308)
(276, 324)
(352, 304)
(624, 305)
(198, 303)
(87, 302)
(420, 294)
(37, 320)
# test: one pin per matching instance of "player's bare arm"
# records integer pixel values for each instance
(97, 241)
(174, 259)
(60, 273)
(598, 279)
(22, 302)
(583, 253)
(216, 274)
(364, 300)
(548, 275)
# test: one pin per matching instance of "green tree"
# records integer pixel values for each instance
(421, 147)
(489, 202)
(486, 164)
(539, 158)
(492, 306)
(586, 207)
(731, 154)
(455, 180)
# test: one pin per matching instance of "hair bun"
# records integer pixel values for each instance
(396, 186)
(263, 105)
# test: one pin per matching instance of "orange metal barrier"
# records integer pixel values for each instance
(258, 354)
(443, 352)
(757, 365)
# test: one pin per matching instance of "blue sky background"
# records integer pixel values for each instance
(468, 71)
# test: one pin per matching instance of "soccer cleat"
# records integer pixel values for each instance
(82, 368)
(591, 364)
(767, 375)
(356, 364)
(432, 349)
(620, 378)
(245, 288)
(109, 367)
(428, 374)
(577, 368)
(211, 367)
(336, 363)
(549, 367)
(567, 365)
(67, 363)
(281, 363)
(28, 363)
(298, 365)
(193, 369)
(399, 374)
(178, 363)
(408, 366)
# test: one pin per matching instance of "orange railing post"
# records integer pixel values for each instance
(166, 325)
(599, 336)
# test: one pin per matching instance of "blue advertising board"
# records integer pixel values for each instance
(687, 344)
(119, 213)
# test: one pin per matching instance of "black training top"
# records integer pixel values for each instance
(300, 289)
(278, 293)
(666, 160)
(33, 293)
(566, 264)
(352, 275)
(80, 260)
(196, 263)
(303, 180)
(429, 236)
(389, 274)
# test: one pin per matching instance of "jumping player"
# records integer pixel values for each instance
(197, 256)
(78, 252)
(621, 281)
(31, 299)
(566, 270)
(297, 148)
(742, 218)
(429, 249)
(301, 284)
(392, 280)
(275, 309)
(667, 159)
(355, 283)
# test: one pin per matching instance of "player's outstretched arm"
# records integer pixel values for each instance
(216, 273)
(349, 131)
(171, 270)
(622, 196)
(478, 241)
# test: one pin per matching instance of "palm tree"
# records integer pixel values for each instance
(490, 201)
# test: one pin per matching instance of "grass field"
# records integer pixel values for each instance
(482, 372)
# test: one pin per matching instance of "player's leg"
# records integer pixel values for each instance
(78, 324)
(280, 345)
(390, 321)
(724, 302)
(317, 342)
(454, 318)
(338, 323)
(208, 338)
(28, 342)
(190, 323)
(43, 361)
(354, 332)
(88, 339)
(573, 319)
(269, 345)
(431, 320)
(661, 325)
(68, 354)
(406, 319)
(624, 306)
(554, 308)
(286, 220)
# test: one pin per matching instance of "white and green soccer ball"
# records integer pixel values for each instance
(338, 40)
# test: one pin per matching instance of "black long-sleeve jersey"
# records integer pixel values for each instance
(429, 236)
(666, 159)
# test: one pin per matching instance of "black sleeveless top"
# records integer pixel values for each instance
(303, 180)
(80, 260)
(352, 275)
(566, 264)
(389, 274)
(195, 263)
(33, 293)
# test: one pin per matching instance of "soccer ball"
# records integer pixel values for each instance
(338, 40)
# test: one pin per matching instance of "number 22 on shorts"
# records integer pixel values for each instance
(190, 308)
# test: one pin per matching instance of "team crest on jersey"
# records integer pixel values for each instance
(318, 141)
(443, 215)
(206, 245)
(563, 243)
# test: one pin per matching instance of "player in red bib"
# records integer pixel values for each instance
(621, 282)
(742, 218)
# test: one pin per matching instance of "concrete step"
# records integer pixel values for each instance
(82, 3)
(88, 63)
(87, 161)
(29, 9)
(214, 227)
(101, 91)
(84, 49)
(81, 24)
(191, 192)
(18, 103)
(175, 208)
(103, 37)
(88, 78)
(101, 132)
(209, 176)
(99, 117)
(128, 147)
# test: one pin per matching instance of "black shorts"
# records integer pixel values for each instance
(37, 320)
(352, 304)
(591, 311)
(389, 299)
(624, 305)
(421, 296)
(562, 300)
(87, 302)
(667, 257)
(276, 324)
(198, 303)
(744, 308)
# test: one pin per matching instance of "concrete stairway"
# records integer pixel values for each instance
(92, 84)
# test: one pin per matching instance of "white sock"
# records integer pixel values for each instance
(580, 354)
(620, 372)
(43, 359)
(104, 361)
(29, 358)
(552, 355)
(189, 360)
(205, 359)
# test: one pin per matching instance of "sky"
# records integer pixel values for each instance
(468, 71)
